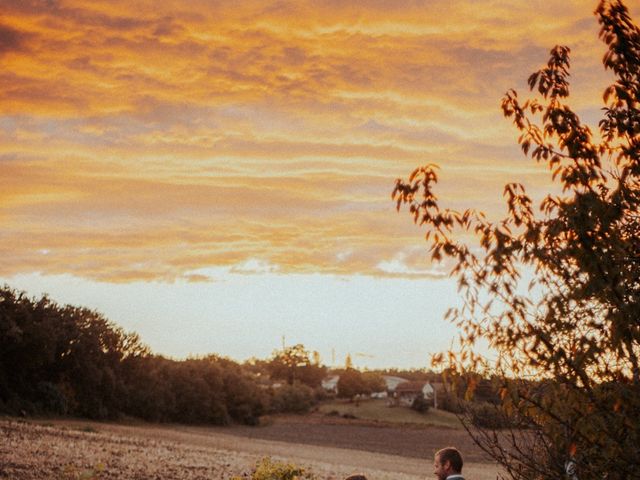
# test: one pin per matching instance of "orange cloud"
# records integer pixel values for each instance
(145, 140)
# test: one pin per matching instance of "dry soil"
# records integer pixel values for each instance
(66, 449)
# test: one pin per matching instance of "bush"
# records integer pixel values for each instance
(267, 469)
(351, 383)
(487, 415)
(296, 398)
(450, 402)
(420, 404)
(321, 394)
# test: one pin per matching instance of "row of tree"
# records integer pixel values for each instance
(73, 361)
(67, 360)
(295, 364)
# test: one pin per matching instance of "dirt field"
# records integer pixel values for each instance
(81, 449)
(406, 441)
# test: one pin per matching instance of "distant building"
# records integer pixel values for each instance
(405, 393)
(392, 382)
(330, 383)
(439, 391)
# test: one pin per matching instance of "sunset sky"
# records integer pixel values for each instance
(214, 175)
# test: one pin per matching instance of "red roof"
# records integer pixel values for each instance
(410, 387)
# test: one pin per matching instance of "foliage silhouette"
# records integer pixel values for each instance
(353, 382)
(268, 469)
(72, 361)
(420, 404)
(556, 290)
(294, 364)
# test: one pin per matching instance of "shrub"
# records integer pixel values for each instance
(487, 415)
(420, 404)
(450, 402)
(351, 383)
(267, 469)
(296, 398)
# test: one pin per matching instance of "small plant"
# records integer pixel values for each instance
(267, 469)
(420, 404)
(71, 472)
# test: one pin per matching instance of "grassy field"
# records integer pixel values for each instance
(379, 411)
(80, 449)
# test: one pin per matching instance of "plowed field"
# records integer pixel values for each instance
(80, 449)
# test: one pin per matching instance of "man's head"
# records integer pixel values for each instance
(447, 461)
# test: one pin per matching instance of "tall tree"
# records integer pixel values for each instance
(293, 364)
(568, 345)
(351, 383)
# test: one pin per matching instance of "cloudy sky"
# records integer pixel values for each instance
(216, 175)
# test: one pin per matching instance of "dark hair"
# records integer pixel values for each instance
(356, 476)
(452, 455)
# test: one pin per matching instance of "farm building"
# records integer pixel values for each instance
(405, 393)
(392, 382)
(330, 383)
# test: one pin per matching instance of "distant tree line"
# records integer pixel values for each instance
(67, 360)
